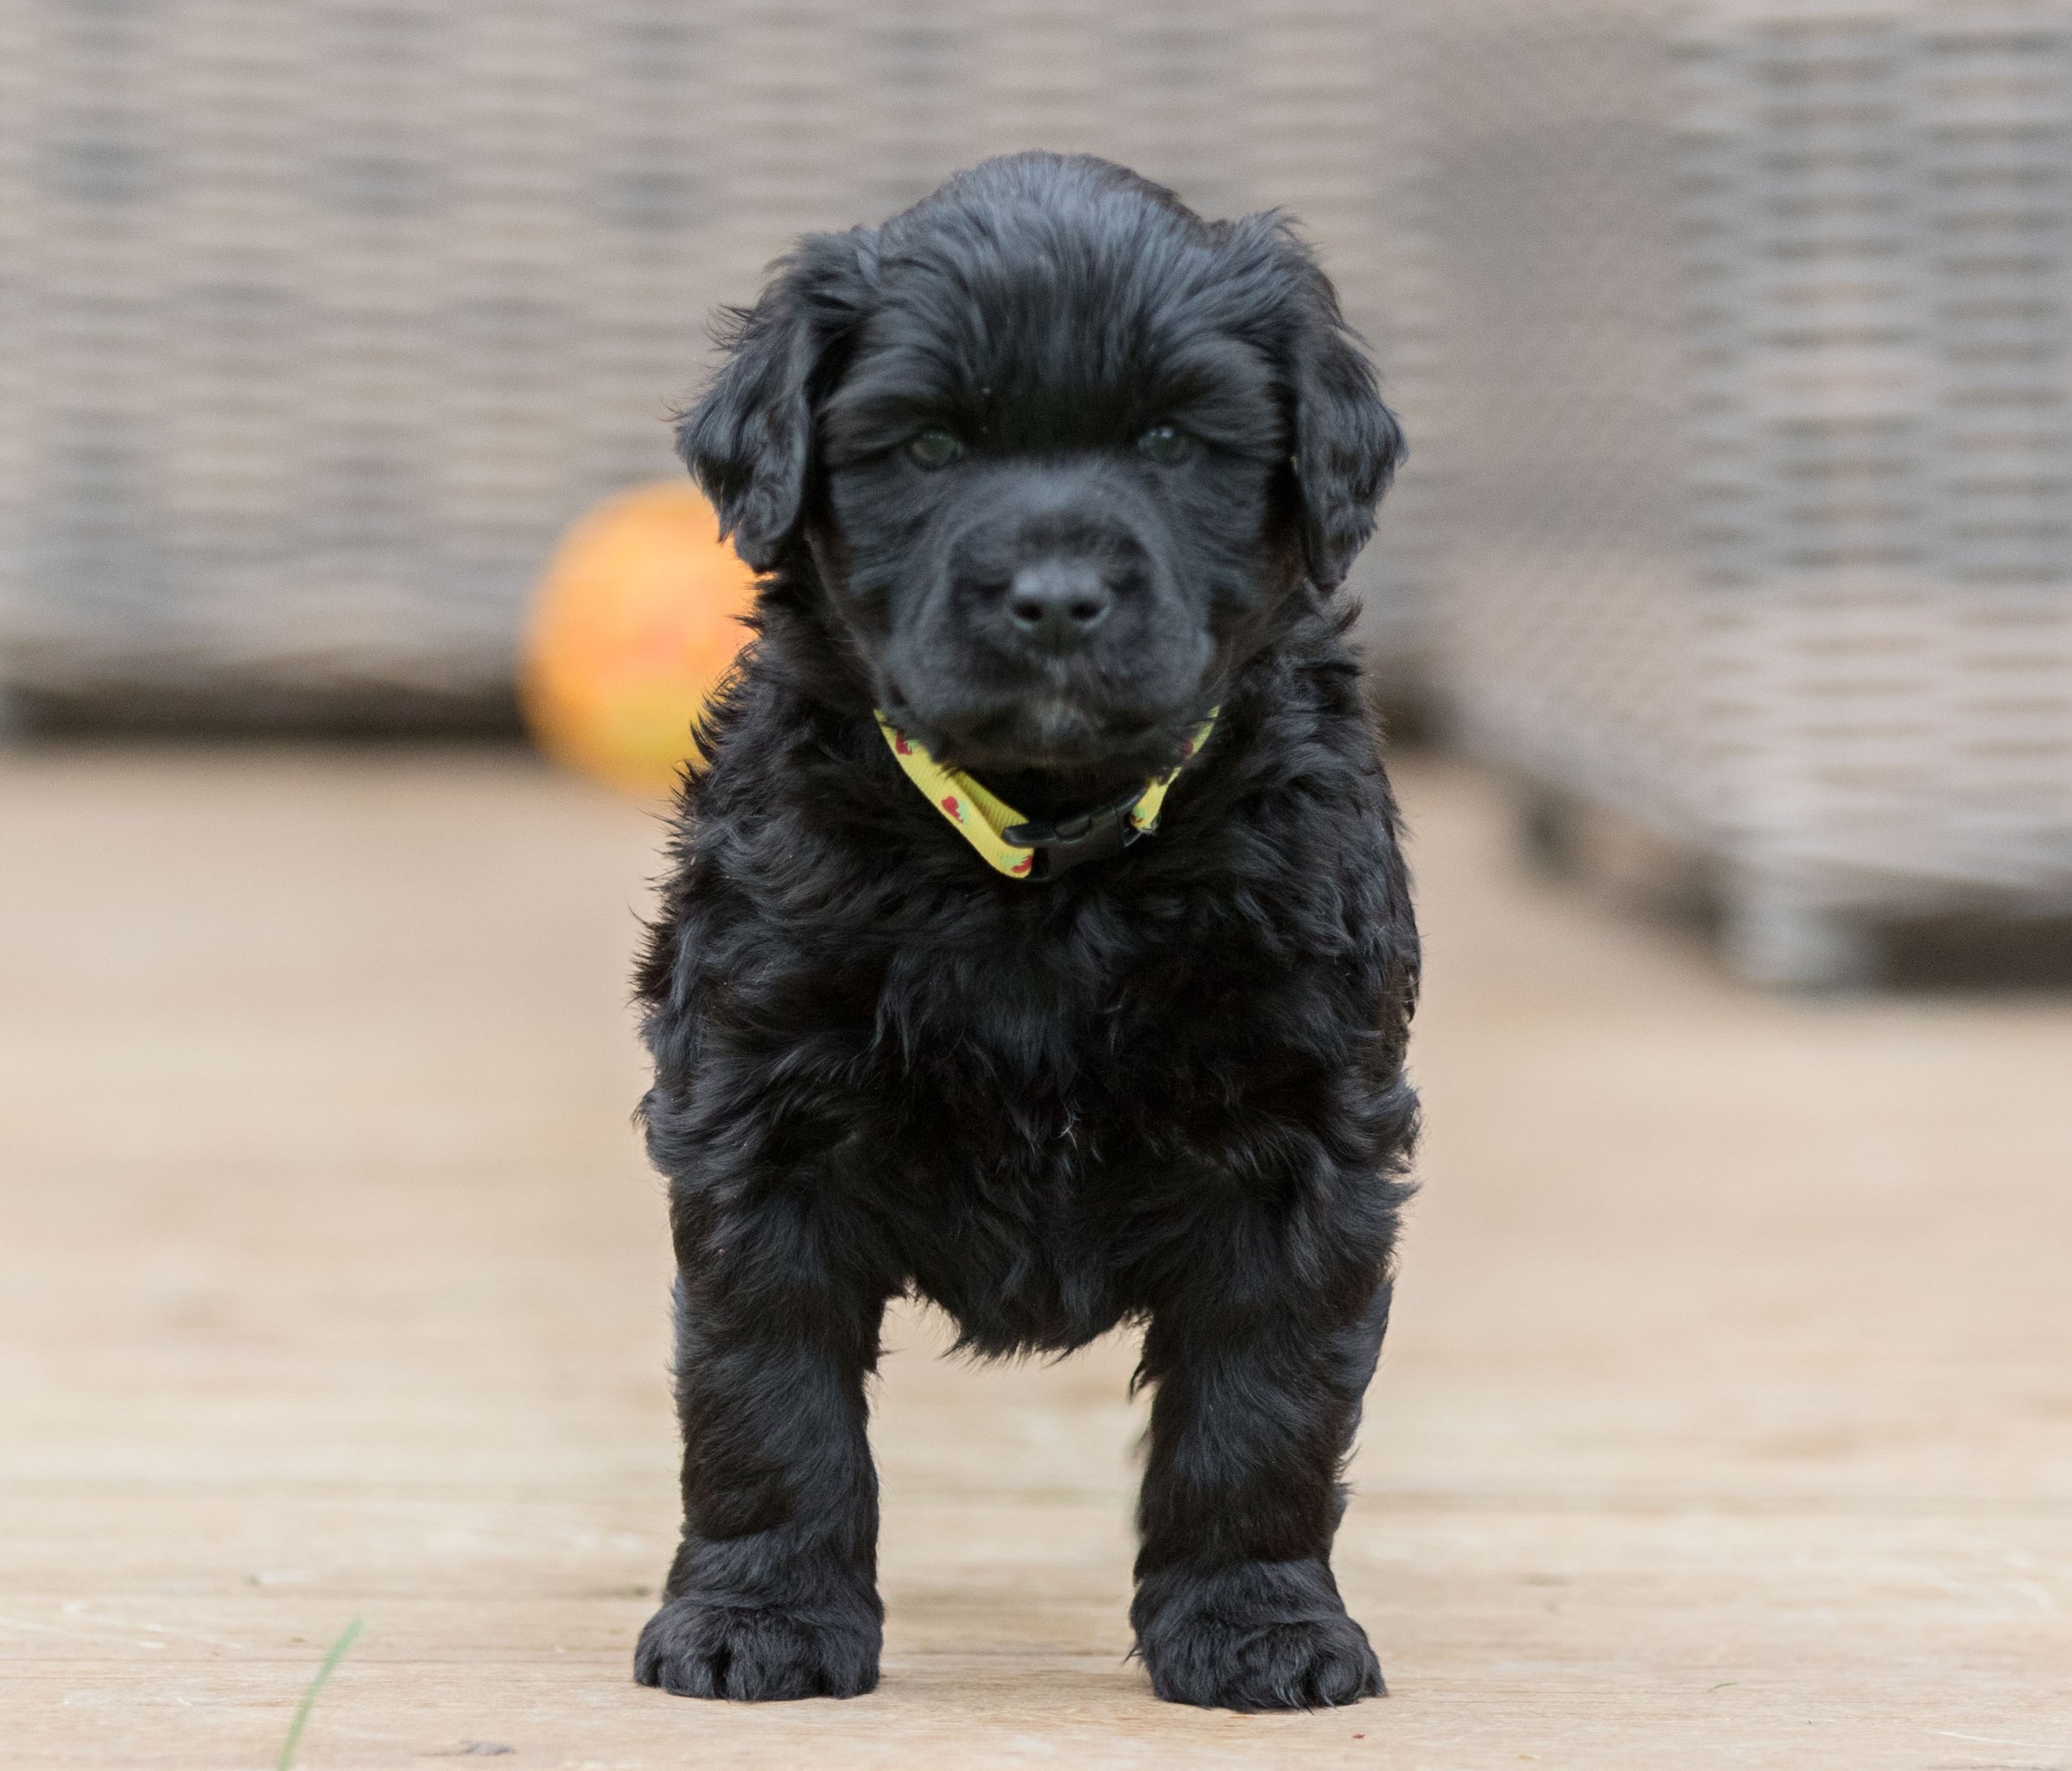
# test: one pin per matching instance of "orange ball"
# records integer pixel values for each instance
(635, 622)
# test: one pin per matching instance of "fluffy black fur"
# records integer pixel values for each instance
(1165, 1087)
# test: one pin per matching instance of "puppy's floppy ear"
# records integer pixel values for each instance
(1346, 443)
(749, 441)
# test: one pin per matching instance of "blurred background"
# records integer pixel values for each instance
(1723, 620)
(1730, 337)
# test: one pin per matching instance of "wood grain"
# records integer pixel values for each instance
(1727, 1421)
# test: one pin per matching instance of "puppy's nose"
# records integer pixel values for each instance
(1058, 603)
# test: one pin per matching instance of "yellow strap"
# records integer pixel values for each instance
(981, 816)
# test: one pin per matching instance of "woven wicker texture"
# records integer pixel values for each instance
(1749, 428)
(1546, 362)
(1882, 259)
(318, 320)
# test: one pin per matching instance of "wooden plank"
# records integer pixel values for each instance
(1727, 1421)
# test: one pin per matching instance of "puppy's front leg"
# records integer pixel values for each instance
(1235, 1605)
(773, 1591)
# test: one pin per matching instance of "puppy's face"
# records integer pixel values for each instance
(1056, 449)
(1049, 513)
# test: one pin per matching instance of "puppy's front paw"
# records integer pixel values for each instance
(703, 1648)
(1264, 1636)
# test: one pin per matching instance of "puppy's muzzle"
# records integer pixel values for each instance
(1048, 591)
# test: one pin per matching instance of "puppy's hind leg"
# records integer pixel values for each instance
(773, 1591)
(1235, 1605)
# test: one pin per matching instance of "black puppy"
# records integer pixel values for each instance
(1051, 482)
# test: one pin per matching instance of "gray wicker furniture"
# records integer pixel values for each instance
(1749, 406)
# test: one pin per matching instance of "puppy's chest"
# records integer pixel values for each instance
(1072, 1053)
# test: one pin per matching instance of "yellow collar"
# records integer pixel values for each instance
(1010, 843)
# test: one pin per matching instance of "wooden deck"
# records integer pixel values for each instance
(1727, 1421)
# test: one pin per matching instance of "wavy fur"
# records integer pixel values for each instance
(1166, 1089)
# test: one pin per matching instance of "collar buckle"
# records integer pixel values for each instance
(1085, 836)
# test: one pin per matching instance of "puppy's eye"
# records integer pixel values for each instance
(933, 448)
(1166, 444)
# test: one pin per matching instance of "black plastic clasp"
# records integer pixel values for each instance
(1085, 836)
